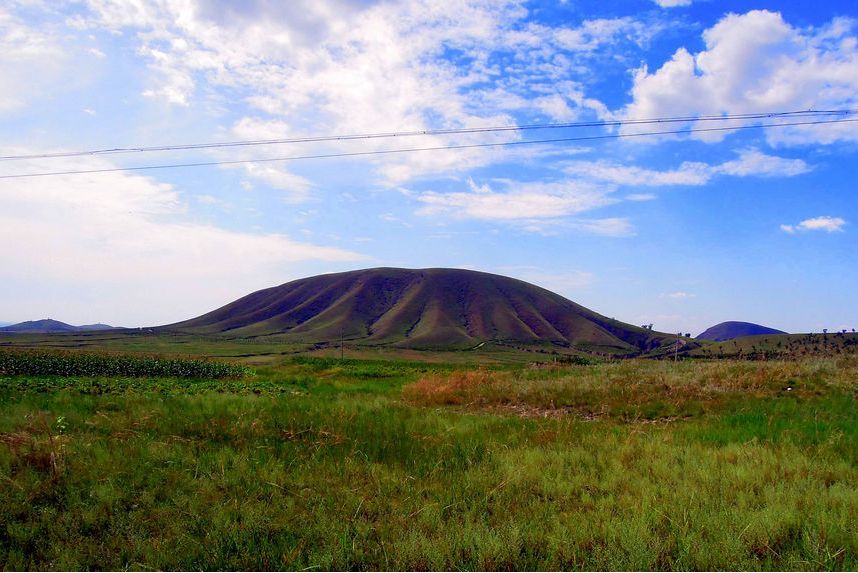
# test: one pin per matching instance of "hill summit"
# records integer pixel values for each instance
(735, 329)
(421, 308)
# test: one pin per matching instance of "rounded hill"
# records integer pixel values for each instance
(420, 308)
(735, 329)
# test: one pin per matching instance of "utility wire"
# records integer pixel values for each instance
(415, 149)
(461, 131)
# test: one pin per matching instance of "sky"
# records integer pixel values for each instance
(681, 230)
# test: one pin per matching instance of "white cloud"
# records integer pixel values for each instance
(391, 218)
(689, 173)
(122, 236)
(751, 162)
(275, 174)
(544, 207)
(678, 295)
(296, 187)
(529, 201)
(672, 3)
(484, 188)
(640, 197)
(606, 227)
(823, 223)
(609, 227)
(757, 62)
(205, 199)
(594, 34)
(755, 162)
(174, 84)
(407, 66)
(24, 49)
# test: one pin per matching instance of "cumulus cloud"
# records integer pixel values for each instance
(756, 163)
(121, 237)
(407, 66)
(757, 62)
(823, 223)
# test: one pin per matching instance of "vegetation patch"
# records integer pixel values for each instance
(66, 363)
(319, 463)
(633, 389)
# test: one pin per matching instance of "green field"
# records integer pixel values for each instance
(388, 462)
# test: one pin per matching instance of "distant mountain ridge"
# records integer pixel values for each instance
(47, 325)
(735, 329)
(420, 308)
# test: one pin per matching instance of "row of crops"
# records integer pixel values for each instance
(64, 363)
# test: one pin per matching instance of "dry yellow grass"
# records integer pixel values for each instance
(636, 389)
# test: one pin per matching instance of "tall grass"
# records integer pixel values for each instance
(360, 480)
(633, 389)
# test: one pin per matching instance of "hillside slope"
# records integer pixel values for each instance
(735, 329)
(422, 308)
(48, 325)
(40, 326)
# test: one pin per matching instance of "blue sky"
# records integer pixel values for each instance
(681, 231)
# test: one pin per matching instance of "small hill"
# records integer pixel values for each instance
(735, 329)
(48, 325)
(97, 326)
(421, 308)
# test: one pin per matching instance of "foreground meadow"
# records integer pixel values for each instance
(324, 464)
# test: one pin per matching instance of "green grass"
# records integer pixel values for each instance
(328, 464)
(64, 363)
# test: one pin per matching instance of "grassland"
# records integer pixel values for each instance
(318, 463)
(782, 346)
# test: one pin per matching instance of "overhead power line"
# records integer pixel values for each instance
(431, 132)
(433, 148)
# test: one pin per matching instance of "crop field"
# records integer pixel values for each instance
(309, 462)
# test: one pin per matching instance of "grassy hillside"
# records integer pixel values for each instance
(270, 349)
(427, 308)
(784, 346)
(735, 329)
